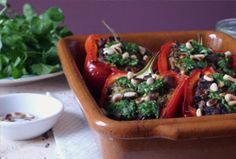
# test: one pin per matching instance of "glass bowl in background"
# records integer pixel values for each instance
(227, 26)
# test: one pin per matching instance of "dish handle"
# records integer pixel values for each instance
(196, 130)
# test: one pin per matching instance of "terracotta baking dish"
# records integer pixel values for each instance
(211, 137)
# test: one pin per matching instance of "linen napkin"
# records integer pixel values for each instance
(74, 139)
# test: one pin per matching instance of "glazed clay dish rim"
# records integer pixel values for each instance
(173, 128)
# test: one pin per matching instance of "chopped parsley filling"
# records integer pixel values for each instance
(138, 101)
(124, 55)
(193, 55)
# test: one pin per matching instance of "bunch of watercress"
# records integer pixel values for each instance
(28, 41)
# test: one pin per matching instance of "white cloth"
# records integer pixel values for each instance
(73, 138)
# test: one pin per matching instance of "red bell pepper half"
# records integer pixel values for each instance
(95, 72)
(188, 109)
(162, 62)
(174, 102)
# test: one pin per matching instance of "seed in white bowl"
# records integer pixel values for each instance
(199, 112)
(188, 45)
(150, 81)
(229, 78)
(142, 50)
(116, 97)
(130, 75)
(130, 94)
(208, 78)
(125, 55)
(228, 54)
(214, 87)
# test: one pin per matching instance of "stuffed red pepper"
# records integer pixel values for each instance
(185, 57)
(103, 55)
(127, 97)
(208, 92)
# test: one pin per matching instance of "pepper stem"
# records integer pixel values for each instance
(148, 68)
(111, 30)
(200, 39)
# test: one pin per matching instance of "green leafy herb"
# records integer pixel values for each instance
(143, 87)
(28, 41)
(124, 110)
(117, 60)
(148, 110)
(223, 64)
(217, 96)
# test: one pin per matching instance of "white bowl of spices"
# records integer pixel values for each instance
(26, 115)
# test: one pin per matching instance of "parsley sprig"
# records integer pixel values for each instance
(28, 41)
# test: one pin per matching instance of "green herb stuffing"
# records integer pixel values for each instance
(28, 41)
(143, 87)
(187, 64)
(124, 110)
(128, 109)
(117, 60)
(148, 110)
(218, 97)
(197, 48)
(230, 85)
(223, 64)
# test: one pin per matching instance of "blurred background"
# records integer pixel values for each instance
(84, 16)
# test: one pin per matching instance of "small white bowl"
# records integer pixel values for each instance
(46, 110)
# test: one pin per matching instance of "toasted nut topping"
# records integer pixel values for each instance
(188, 45)
(145, 58)
(214, 87)
(228, 53)
(182, 72)
(221, 84)
(17, 116)
(133, 57)
(116, 97)
(130, 94)
(150, 80)
(199, 112)
(142, 50)
(134, 81)
(125, 55)
(130, 75)
(155, 76)
(198, 57)
(117, 47)
(232, 103)
(208, 78)
(146, 98)
(113, 49)
(211, 102)
(108, 51)
(230, 97)
(229, 78)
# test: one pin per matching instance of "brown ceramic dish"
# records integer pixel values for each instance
(211, 137)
